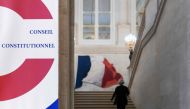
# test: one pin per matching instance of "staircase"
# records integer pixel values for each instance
(96, 100)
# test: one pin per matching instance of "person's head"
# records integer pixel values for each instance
(131, 51)
(121, 82)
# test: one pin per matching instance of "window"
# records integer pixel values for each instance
(88, 19)
(96, 21)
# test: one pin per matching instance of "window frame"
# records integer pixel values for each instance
(97, 41)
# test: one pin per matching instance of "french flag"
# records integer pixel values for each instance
(96, 70)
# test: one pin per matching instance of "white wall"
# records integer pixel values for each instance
(124, 17)
(125, 23)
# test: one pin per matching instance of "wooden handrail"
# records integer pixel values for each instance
(142, 42)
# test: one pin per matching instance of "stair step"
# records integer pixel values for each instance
(96, 100)
(101, 108)
(97, 103)
(87, 105)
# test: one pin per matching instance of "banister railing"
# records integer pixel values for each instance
(142, 41)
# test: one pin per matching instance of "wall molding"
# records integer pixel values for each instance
(101, 50)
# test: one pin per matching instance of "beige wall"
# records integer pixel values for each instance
(162, 76)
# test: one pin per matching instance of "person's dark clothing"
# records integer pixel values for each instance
(121, 106)
(130, 55)
(121, 96)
